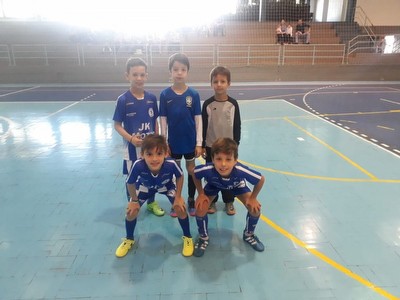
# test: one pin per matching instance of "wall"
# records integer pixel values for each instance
(383, 12)
(380, 12)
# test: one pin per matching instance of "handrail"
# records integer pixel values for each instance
(156, 53)
(359, 39)
(5, 54)
(365, 22)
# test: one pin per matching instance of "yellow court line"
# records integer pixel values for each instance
(332, 149)
(329, 261)
(376, 180)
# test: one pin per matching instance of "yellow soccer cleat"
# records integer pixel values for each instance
(124, 248)
(188, 247)
(155, 209)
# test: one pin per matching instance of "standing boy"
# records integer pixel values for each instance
(221, 118)
(180, 118)
(226, 173)
(155, 173)
(135, 116)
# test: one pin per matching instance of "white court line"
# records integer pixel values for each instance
(21, 91)
(6, 134)
(390, 101)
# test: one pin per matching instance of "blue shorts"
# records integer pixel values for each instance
(145, 193)
(211, 190)
(126, 167)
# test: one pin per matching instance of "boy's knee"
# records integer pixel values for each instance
(180, 211)
(202, 204)
(132, 215)
(254, 214)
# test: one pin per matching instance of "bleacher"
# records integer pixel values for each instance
(34, 32)
(245, 32)
(236, 32)
(244, 44)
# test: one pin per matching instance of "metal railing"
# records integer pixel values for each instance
(362, 19)
(315, 54)
(154, 54)
(361, 43)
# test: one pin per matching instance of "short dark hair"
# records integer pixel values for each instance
(179, 57)
(220, 70)
(133, 62)
(225, 145)
(152, 141)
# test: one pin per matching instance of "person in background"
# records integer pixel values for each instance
(303, 32)
(281, 33)
(380, 44)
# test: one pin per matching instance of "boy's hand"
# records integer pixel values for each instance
(132, 210)
(202, 204)
(179, 207)
(254, 207)
(136, 140)
(198, 151)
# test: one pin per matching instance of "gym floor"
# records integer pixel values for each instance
(330, 205)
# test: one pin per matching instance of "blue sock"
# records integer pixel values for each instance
(150, 200)
(202, 226)
(130, 228)
(185, 226)
(251, 223)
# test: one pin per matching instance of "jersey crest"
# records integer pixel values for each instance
(151, 112)
(189, 101)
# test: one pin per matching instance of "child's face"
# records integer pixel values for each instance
(224, 163)
(137, 76)
(220, 85)
(179, 72)
(154, 159)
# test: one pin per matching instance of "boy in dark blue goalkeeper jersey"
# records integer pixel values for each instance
(181, 123)
(226, 173)
(135, 116)
(152, 174)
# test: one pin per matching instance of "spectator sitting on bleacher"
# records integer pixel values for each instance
(303, 31)
(281, 33)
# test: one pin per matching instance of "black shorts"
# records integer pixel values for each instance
(188, 156)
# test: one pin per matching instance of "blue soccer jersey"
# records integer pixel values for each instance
(162, 182)
(180, 112)
(137, 117)
(237, 181)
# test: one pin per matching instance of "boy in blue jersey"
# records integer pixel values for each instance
(154, 173)
(180, 118)
(135, 116)
(226, 173)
